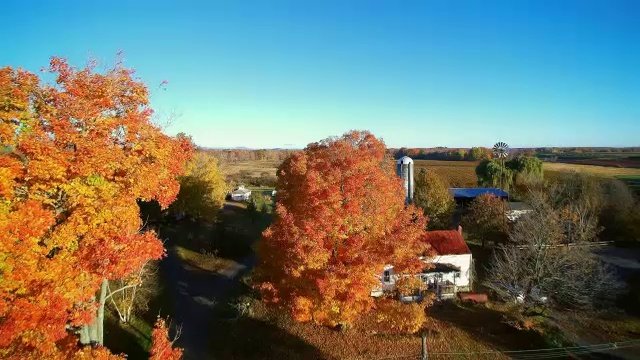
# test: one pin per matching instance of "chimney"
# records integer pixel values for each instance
(459, 230)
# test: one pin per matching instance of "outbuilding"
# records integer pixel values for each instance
(240, 194)
(464, 196)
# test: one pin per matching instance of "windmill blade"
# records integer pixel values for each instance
(501, 150)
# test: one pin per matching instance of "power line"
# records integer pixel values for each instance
(548, 353)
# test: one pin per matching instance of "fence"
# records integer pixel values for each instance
(585, 244)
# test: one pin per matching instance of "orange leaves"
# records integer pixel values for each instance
(10, 170)
(301, 308)
(74, 158)
(409, 285)
(162, 348)
(340, 218)
(396, 317)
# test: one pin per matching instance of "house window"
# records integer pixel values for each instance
(456, 274)
(386, 276)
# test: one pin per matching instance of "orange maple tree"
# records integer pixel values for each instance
(75, 155)
(162, 348)
(340, 218)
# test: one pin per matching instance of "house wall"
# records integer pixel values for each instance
(240, 197)
(462, 261)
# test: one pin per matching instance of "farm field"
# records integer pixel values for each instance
(632, 180)
(604, 171)
(251, 167)
(620, 160)
(453, 173)
(462, 173)
(631, 176)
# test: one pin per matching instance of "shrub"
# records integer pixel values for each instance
(395, 317)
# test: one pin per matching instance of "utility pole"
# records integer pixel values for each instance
(425, 354)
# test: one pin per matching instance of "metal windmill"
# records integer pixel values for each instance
(501, 152)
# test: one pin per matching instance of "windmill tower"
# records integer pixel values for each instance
(501, 152)
(405, 172)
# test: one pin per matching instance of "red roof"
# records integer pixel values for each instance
(447, 242)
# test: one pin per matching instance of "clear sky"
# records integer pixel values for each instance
(418, 74)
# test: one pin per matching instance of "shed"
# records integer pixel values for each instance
(240, 194)
(464, 196)
(517, 209)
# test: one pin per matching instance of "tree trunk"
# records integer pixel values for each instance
(93, 334)
(103, 298)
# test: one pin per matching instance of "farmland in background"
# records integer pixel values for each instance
(632, 180)
(257, 174)
(631, 176)
(453, 173)
(250, 167)
(612, 159)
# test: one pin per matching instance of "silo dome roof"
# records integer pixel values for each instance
(405, 160)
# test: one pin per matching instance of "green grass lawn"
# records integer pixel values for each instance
(133, 338)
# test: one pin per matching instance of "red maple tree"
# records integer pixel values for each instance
(162, 348)
(340, 218)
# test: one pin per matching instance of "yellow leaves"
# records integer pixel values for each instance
(396, 317)
(202, 188)
(409, 285)
(302, 309)
(95, 180)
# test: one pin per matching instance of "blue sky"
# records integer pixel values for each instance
(418, 74)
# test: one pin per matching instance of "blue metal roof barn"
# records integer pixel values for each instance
(472, 193)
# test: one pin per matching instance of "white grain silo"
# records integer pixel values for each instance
(405, 171)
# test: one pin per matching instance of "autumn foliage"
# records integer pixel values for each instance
(76, 155)
(432, 195)
(202, 188)
(162, 348)
(486, 219)
(395, 317)
(340, 218)
(410, 285)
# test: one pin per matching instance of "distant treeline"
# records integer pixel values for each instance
(437, 153)
(482, 153)
(232, 155)
(578, 150)
(473, 154)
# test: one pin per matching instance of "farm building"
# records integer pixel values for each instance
(240, 194)
(516, 209)
(464, 196)
(452, 271)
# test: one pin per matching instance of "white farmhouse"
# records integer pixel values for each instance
(452, 271)
(240, 194)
